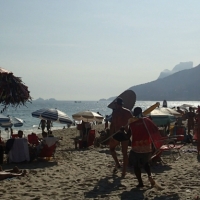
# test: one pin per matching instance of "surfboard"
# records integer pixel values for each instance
(129, 99)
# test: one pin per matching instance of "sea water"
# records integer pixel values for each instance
(70, 108)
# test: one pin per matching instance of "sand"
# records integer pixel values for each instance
(87, 174)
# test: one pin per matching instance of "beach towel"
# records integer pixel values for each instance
(19, 151)
(49, 141)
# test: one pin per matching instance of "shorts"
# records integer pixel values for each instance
(120, 136)
(138, 159)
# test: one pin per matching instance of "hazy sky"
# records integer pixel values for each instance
(92, 49)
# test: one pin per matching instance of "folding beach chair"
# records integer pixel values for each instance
(33, 139)
(179, 132)
(91, 137)
(165, 144)
(47, 152)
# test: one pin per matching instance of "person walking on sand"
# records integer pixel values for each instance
(49, 124)
(42, 124)
(191, 118)
(120, 117)
(141, 145)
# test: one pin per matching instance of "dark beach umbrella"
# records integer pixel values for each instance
(12, 90)
(14, 121)
(4, 119)
(52, 114)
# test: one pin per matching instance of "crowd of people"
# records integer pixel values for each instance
(136, 134)
(140, 133)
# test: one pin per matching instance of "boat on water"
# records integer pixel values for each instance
(77, 101)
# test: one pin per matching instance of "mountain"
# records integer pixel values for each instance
(180, 86)
(181, 66)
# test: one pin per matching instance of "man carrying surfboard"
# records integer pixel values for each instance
(120, 117)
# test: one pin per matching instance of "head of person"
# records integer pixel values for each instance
(119, 102)
(190, 109)
(20, 133)
(178, 108)
(137, 111)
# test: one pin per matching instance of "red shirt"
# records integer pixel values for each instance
(141, 140)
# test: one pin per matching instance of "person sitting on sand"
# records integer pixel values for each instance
(20, 134)
(40, 146)
(120, 117)
(141, 145)
(15, 172)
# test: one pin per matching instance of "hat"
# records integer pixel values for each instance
(119, 101)
(137, 111)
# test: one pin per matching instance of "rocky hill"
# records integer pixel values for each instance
(182, 85)
(181, 66)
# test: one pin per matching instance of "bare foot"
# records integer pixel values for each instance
(154, 184)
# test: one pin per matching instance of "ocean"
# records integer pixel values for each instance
(70, 108)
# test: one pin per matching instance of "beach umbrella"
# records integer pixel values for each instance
(88, 116)
(14, 121)
(185, 106)
(12, 90)
(52, 114)
(161, 117)
(169, 111)
(4, 119)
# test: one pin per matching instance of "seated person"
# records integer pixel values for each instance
(49, 141)
(15, 172)
(20, 134)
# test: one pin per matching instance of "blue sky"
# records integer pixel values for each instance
(89, 49)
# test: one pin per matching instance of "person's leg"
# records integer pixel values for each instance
(138, 175)
(189, 128)
(113, 143)
(5, 175)
(14, 170)
(125, 155)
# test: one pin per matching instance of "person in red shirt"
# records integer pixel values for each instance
(141, 151)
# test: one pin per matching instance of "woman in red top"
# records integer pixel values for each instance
(141, 145)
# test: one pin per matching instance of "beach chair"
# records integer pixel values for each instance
(179, 132)
(165, 144)
(91, 138)
(47, 152)
(49, 148)
(33, 139)
(15, 136)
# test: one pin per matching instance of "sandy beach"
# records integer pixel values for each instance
(87, 174)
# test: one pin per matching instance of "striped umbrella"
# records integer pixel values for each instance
(52, 114)
(14, 121)
(88, 116)
(4, 119)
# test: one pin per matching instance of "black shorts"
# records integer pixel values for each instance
(138, 159)
(121, 136)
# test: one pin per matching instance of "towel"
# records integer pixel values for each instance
(19, 151)
(50, 141)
